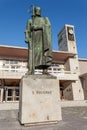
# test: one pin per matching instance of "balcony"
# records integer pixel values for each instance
(6, 73)
(61, 74)
(64, 75)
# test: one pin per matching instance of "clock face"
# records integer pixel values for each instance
(70, 31)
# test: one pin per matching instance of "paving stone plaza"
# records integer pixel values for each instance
(74, 118)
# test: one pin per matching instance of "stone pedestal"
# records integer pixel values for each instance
(39, 100)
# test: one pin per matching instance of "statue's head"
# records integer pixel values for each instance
(38, 11)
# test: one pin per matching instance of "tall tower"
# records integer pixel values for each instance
(67, 42)
(66, 39)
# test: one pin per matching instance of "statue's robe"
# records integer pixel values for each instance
(41, 42)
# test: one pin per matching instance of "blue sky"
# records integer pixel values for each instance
(14, 15)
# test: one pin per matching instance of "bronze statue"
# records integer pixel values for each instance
(39, 39)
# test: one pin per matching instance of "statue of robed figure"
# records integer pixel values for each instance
(39, 38)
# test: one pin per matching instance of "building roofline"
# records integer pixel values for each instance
(13, 51)
(68, 25)
(83, 75)
(18, 47)
(82, 59)
(64, 52)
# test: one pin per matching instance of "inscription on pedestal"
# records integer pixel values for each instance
(41, 92)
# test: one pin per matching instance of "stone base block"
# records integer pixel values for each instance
(39, 100)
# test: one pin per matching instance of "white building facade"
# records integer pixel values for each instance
(13, 65)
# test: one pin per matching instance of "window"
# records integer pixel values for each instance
(17, 67)
(15, 62)
(7, 62)
(13, 68)
(16, 92)
(9, 92)
(11, 62)
(49, 68)
(12, 94)
(54, 69)
(6, 67)
(0, 94)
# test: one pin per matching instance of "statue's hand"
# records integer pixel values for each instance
(36, 27)
(28, 41)
(32, 27)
